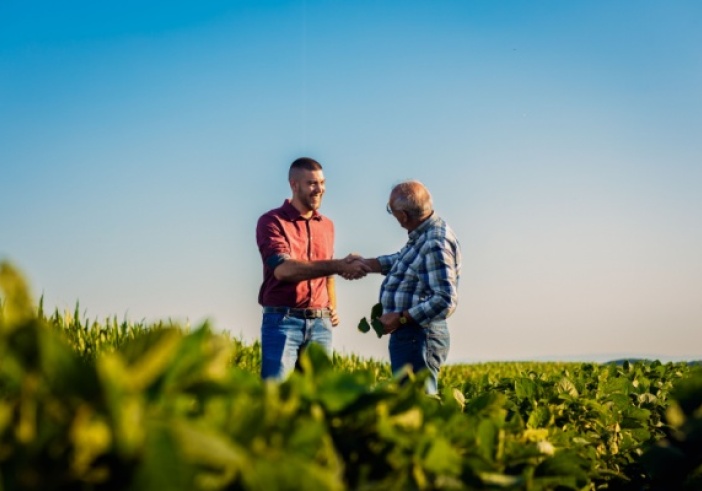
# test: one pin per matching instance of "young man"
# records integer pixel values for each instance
(298, 298)
(420, 289)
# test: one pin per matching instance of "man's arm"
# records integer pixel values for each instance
(294, 270)
(372, 264)
(391, 320)
(441, 277)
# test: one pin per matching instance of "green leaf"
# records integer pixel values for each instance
(688, 393)
(487, 433)
(564, 463)
(125, 406)
(539, 417)
(378, 327)
(565, 386)
(618, 385)
(500, 480)
(162, 466)
(201, 364)
(342, 390)
(208, 450)
(411, 419)
(16, 306)
(364, 326)
(458, 397)
(91, 438)
(153, 364)
(486, 404)
(635, 417)
(442, 458)
(63, 370)
(524, 388)
(314, 360)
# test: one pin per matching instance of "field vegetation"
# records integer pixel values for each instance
(108, 405)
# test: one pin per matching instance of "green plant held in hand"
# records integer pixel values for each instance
(365, 326)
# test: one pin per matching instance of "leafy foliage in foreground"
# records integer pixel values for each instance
(156, 407)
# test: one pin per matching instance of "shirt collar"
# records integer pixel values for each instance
(292, 214)
(433, 218)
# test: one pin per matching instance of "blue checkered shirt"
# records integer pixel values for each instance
(423, 277)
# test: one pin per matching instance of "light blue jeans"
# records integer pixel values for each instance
(282, 339)
(421, 348)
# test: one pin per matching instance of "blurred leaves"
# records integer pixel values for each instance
(16, 307)
(113, 406)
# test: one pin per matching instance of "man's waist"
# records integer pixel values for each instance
(302, 313)
(283, 293)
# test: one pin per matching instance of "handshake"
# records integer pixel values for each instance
(353, 267)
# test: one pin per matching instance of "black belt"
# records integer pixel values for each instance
(301, 313)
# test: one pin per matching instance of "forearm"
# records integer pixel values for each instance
(440, 275)
(438, 306)
(294, 270)
(373, 264)
(440, 298)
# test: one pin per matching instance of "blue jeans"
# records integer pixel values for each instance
(421, 348)
(284, 336)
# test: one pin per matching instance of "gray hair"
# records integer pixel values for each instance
(412, 197)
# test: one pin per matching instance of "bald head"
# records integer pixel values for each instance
(412, 197)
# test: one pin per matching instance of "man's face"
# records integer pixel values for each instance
(308, 188)
(400, 215)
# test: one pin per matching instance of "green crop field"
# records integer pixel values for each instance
(103, 405)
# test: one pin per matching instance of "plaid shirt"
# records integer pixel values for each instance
(423, 277)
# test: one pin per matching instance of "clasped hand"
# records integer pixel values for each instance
(354, 267)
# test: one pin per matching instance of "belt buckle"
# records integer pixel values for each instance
(311, 313)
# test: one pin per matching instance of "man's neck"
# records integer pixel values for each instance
(305, 212)
(414, 224)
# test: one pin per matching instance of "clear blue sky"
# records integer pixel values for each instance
(140, 141)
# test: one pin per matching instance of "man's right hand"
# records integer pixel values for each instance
(353, 267)
(371, 265)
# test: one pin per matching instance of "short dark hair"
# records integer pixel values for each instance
(303, 163)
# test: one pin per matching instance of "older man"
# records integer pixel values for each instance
(420, 289)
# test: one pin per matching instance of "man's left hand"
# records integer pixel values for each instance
(334, 318)
(390, 321)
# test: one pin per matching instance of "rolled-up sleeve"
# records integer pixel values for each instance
(273, 245)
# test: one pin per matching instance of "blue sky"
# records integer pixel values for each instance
(140, 141)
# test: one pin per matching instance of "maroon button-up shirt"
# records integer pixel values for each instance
(283, 234)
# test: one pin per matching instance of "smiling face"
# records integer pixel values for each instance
(308, 187)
